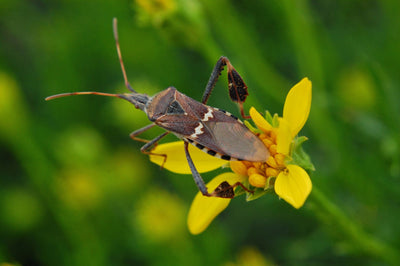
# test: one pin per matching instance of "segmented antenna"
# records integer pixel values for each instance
(115, 28)
(83, 93)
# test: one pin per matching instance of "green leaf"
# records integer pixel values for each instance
(258, 192)
(269, 118)
(299, 156)
(252, 128)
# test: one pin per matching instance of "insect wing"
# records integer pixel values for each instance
(239, 142)
(220, 132)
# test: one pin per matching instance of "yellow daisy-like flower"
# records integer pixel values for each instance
(292, 182)
(283, 171)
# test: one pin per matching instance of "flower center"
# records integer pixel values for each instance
(261, 174)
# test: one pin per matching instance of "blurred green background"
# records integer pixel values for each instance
(75, 189)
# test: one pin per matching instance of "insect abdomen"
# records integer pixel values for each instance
(212, 152)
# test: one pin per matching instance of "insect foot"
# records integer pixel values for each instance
(224, 190)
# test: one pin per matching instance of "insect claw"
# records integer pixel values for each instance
(242, 186)
(225, 190)
(164, 161)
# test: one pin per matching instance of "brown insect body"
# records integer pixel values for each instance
(212, 130)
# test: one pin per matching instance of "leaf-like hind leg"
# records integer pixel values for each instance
(237, 88)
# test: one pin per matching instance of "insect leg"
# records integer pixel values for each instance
(197, 178)
(224, 190)
(151, 143)
(146, 149)
(237, 88)
(219, 66)
(140, 131)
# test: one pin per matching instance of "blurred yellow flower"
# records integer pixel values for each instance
(251, 256)
(20, 210)
(13, 113)
(78, 189)
(283, 172)
(159, 216)
(356, 81)
(155, 11)
(155, 6)
(180, 21)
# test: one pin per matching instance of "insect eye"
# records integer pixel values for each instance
(175, 108)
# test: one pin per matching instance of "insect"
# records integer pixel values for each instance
(210, 129)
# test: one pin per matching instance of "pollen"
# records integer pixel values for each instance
(257, 180)
(267, 142)
(273, 149)
(271, 162)
(252, 171)
(273, 135)
(238, 167)
(271, 172)
(280, 160)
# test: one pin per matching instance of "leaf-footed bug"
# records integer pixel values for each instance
(210, 129)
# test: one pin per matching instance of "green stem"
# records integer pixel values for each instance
(365, 242)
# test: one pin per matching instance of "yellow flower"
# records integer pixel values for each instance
(205, 209)
(282, 172)
(292, 182)
(177, 161)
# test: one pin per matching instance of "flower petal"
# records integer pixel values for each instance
(259, 120)
(284, 137)
(293, 185)
(297, 105)
(205, 209)
(176, 159)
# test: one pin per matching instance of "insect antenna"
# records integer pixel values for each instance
(115, 28)
(84, 93)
